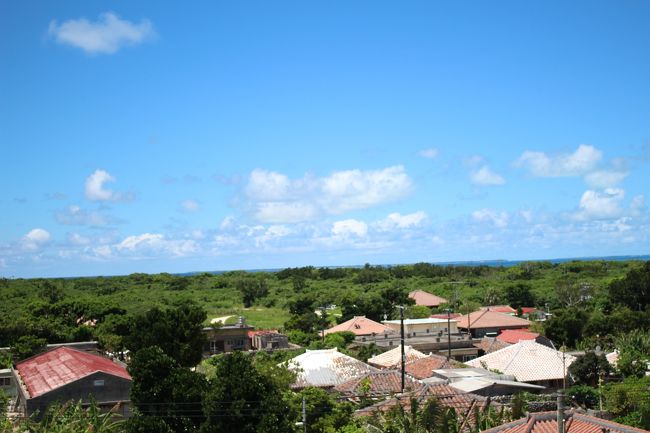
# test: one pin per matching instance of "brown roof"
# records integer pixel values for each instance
(426, 299)
(463, 403)
(491, 344)
(360, 325)
(423, 368)
(575, 422)
(381, 383)
(491, 319)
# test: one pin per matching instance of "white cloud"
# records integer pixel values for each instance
(430, 153)
(398, 221)
(276, 198)
(96, 190)
(155, 243)
(357, 189)
(527, 215)
(582, 161)
(35, 239)
(346, 229)
(3, 263)
(601, 205)
(190, 206)
(77, 239)
(104, 36)
(498, 219)
(485, 176)
(75, 215)
(286, 212)
(271, 233)
(605, 178)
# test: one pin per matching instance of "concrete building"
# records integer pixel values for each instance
(7, 382)
(423, 327)
(65, 374)
(227, 338)
(268, 340)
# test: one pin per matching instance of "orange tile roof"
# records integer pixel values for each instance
(360, 325)
(393, 357)
(423, 368)
(426, 299)
(53, 369)
(514, 336)
(575, 422)
(491, 319)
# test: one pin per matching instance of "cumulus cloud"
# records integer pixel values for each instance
(35, 239)
(485, 176)
(430, 153)
(105, 36)
(349, 228)
(601, 205)
(156, 243)
(605, 178)
(498, 219)
(396, 220)
(190, 206)
(96, 190)
(584, 160)
(276, 198)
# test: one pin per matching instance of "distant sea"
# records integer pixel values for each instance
(503, 263)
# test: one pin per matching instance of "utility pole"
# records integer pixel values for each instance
(560, 411)
(401, 328)
(448, 334)
(304, 414)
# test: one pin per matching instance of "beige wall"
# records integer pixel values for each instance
(420, 329)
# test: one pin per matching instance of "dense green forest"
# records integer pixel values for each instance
(592, 301)
(159, 319)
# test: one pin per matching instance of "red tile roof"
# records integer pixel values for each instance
(56, 368)
(575, 422)
(514, 336)
(380, 383)
(491, 319)
(423, 368)
(426, 299)
(528, 310)
(360, 325)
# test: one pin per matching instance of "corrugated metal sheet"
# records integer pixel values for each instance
(56, 368)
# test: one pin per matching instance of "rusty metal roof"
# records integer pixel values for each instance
(51, 370)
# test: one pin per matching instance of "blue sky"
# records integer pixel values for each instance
(150, 137)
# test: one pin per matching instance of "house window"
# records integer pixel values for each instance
(5, 381)
(99, 382)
